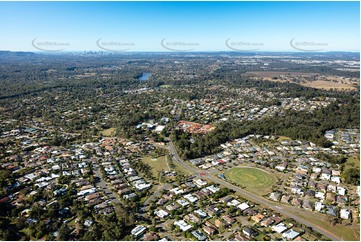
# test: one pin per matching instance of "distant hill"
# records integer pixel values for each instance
(6, 53)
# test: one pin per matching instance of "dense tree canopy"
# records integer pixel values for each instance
(297, 125)
(352, 176)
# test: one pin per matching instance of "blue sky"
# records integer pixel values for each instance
(201, 26)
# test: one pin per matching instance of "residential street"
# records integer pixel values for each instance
(101, 184)
(156, 193)
(250, 196)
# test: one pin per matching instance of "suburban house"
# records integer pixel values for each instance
(249, 232)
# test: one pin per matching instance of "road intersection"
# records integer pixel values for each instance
(258, 199)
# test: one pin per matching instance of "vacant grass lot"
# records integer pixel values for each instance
(161, 163)
(108, 132)
(282, 138)
(348, 233)
(253, 179)
(158, 164)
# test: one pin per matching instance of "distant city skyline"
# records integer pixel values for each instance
(180, 26)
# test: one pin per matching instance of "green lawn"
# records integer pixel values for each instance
(352, 162)
(161, 163)
(108, 132)
(309, 237)
(158, 164)
(350, 233)
(253, 179)
(180, 170)
(282, 138)
(27, 232)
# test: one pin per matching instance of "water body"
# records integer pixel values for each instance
(145, 76)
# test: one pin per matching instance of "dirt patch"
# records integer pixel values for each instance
(329, 85)
(313, 80)
(277, 73)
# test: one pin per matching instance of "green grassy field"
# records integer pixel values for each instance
(180, 170)
(253, 179)
(282, 138)
(158, 164)
(352, 162)
(108, 132)
(349, 233)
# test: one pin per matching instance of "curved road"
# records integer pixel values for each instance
(155, 194)
(251, 196)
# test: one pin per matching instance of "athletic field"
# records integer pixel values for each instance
(252, 179)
